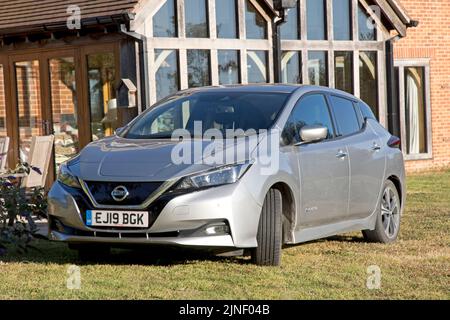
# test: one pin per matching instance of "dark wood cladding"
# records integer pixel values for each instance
(16, 15)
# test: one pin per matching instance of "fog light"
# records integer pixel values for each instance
(217, 229)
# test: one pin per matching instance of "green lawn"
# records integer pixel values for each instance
(417, 266)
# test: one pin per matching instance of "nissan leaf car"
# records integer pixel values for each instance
(251, 167)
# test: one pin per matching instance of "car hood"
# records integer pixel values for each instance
(116, 158)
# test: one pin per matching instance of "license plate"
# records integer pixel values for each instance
(106, 218)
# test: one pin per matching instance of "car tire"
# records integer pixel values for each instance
(387, 225)
(270, 231)
(90, 252)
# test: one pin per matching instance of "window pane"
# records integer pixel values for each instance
(102, 94)
(416, 118)
(3, 132)
(257, 66)
(342, 19)
(196, 19)
(167, 78)
(343, 70)
(318, 68)
(228, 66)
(165, 20)
(256, 25)
(367, 29)
(291, 67)
(198, 68)
(368, 79)
(290, 30)
(226, 18)
(28, 104)
(311, 110)
(316, 19)
(345, 114)
(64, 108)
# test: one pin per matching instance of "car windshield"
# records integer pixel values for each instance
(211, 110)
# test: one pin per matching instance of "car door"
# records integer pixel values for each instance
(323, 166)
(367, 161)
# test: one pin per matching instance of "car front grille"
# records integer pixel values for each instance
(138, 192)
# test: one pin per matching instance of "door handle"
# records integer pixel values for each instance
(341, 154)
(375, 147)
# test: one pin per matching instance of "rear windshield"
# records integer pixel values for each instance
(213, 110)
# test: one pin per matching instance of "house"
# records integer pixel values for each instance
(81, 69)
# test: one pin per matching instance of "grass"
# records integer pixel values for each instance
(416, 267)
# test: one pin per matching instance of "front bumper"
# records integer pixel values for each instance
(179, 221)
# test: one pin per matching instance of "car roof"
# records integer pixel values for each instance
(269, 88)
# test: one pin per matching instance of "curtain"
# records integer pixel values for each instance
(412, 112)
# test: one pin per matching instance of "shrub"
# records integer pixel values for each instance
(17, 208)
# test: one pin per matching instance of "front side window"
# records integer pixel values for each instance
(310, 110)
(222, 110)
(346, 116)
(196, 18)
(256, 25)
(165, 20)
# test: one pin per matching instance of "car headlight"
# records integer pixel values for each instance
(67, 178)
(217, 177)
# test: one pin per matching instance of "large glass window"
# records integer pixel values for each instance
(165, 20)
(415, 110)
(290, 30)
(291, 66)
(318, 68)
(29, 107)
(310, 110)
(257, 66)
(3, 132)
(345, 114)
(343, 70)
(64, 108)
(366, 25)
(256, 25)
(199, 74)
(102, 94)
(228, 66)
(196, 15)
(226, 18)
(316, 19)
(342, 27)
(166, 77)
(368, 82)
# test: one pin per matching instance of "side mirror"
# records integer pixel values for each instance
(313, 133)
(118, 131)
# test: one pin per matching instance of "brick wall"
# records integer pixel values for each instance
(431, 39)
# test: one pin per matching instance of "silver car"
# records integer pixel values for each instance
(228, 168)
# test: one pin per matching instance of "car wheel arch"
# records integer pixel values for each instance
(288, 209)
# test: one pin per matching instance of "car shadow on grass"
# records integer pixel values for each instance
(46, 252)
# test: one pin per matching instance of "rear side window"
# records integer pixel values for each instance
(345, 114)
(366, 111)
(310, 110)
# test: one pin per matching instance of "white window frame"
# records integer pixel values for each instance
(401, 64)
(304, 46)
